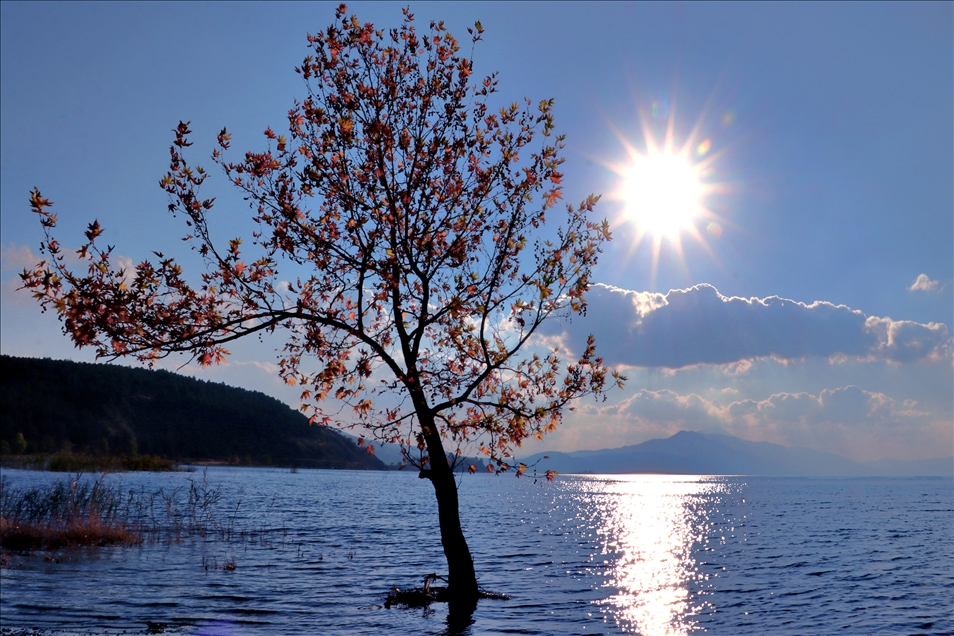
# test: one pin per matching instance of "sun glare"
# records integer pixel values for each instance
(664, 189)
(663, 194)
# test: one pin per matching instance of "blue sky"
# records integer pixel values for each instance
(832, 153)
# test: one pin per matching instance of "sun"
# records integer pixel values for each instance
(665, 191)
(662, 193)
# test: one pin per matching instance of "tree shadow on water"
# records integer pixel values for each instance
(460, 617)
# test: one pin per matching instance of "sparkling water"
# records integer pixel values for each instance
(315, 552)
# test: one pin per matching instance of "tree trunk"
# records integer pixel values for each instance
(462, 580)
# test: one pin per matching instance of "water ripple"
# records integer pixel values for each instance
(651, 555)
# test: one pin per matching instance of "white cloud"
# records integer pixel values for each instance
(669, 406)
(19, 257)
(699, 325)
(848, 420)
(12, 296)
(906, 341)
(925, 284)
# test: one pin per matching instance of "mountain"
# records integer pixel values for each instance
(390, 454)
(105, 409)
(692, 453)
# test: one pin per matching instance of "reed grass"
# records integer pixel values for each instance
(69, 513)
(81, 512)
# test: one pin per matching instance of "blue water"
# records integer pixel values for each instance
(651, 555)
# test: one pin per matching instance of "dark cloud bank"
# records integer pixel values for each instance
(699, 325)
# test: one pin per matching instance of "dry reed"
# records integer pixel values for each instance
(80, 512)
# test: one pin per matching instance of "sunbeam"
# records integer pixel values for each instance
(664, 189)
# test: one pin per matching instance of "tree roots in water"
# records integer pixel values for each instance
(424, 596)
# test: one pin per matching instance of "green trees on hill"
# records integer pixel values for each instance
(49, 406)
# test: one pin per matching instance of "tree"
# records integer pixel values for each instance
(19, 444)
(405, 210)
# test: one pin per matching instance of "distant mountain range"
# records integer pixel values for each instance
(692, 453)
(57, 405)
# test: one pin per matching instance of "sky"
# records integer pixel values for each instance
(808, 302)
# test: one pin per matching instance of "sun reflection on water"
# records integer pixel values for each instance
(650, 525)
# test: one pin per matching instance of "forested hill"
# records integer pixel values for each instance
(106, 409)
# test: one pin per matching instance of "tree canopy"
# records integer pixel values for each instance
(409, 245)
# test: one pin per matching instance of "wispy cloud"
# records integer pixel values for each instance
(18, 257)
(847, 420)
(925, 284)
(699, 325)
(15, 258)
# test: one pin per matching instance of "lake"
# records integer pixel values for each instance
(315, 552)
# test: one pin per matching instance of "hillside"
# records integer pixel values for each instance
(107, 409)
(692, 453)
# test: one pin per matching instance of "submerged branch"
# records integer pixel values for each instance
(427, 594)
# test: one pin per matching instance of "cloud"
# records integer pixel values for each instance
(18, 257)
(699, 325)
(845, 405)
(906, 341)
(847, 420)
(669, 406)
(12, 296)
(925, 284)
(848, 405)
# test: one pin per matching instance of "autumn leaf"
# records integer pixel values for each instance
(398, 261)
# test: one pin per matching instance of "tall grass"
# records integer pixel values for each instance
(73, 512)
(79, 512)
